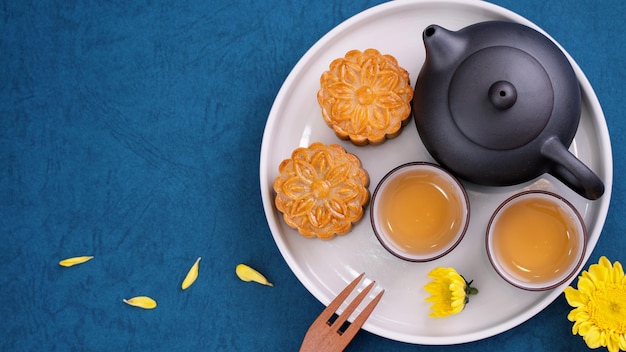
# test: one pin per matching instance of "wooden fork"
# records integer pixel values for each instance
(327, 336)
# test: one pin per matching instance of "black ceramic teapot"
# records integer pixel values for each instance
(498, 103)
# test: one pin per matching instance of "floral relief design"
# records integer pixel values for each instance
(321, 190)
(365, 96)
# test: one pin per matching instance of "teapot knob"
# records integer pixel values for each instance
(502, 95)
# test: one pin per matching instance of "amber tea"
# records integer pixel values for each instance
(536, 240)
(421, 211)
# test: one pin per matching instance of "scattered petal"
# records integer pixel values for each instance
(75, 260)
(246, 273)
(144, 302)
(192, 275)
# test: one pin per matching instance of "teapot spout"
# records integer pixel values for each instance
(443, 47)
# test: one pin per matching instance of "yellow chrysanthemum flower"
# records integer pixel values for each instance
(599, 313)
(449, 292)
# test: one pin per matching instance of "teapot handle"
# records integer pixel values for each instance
(571, 171)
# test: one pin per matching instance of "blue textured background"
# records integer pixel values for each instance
(131, 130)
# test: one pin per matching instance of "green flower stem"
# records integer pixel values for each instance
(469, 290)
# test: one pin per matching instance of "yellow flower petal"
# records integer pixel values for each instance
(618, 273)
(75, 260)
(144, 302)
(247, 274)
(612, 343)
(622, 342)
(586, 286)
(581, 326)
(605, 262)
(592, 338)
(192, 275)
(575, 298)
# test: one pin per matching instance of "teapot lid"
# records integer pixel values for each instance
(501, 97)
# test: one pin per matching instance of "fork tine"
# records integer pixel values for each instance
(362, 317)
(324, 336)
(352, 306)
(335, 303)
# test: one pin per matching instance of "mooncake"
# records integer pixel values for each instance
(365, 97)
(321, 190)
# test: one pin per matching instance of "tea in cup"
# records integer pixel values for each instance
(419, 211)
(536, 240)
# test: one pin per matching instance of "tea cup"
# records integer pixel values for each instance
(536, 240)
(419, 211)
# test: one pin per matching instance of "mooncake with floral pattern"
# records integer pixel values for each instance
(321, 190)
(365, 97)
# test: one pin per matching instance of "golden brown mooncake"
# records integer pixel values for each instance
(321, 190)
(365, 97)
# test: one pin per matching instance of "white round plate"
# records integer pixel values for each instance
(325, 267)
